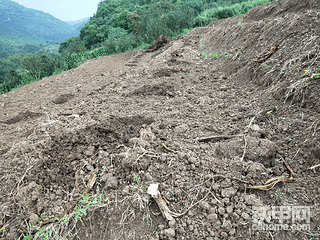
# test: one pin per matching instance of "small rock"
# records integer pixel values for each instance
(212, 217)
(126, 189)
(212, 210)
(255, 127)
(251, 200)
(172, 223)
(161, 227)
(221, 210)
(181, 155)
(148, 177)
(204, 205)
(169, 232)
(192, 160)
(268, 219)
(33, 219)
(178, 192)
(112, 182)
(195, 231)
(245, 216)
(90, 151)
(181, 230)
(52, 197)
(229, 209)
(227, 225)
(190, 213)
(182, 128)
(138, 142)
(59, 192)
(235, 216)
(228, 192)
(224, 234)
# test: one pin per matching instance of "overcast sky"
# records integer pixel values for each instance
(65, 10)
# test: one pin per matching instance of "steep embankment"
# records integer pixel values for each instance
(207, 129)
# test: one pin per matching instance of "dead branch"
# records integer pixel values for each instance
(203, 139)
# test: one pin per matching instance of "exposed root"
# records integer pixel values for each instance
(273, 181)
(272, 50)
(153, 190)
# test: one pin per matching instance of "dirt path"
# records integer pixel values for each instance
(136, 119)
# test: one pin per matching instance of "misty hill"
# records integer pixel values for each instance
(82, 21)
(19, 21)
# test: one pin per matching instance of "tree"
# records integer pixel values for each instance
(71, 45)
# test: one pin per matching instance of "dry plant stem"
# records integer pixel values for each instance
(273, 181)
(203, 139)
(271, 235)
(90, 184)
(313, 167)
(272, 50)
(153, 190)
(245, 146)
(21, 179)
(168, 148)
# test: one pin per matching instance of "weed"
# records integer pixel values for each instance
(79, 212)
(136, 178)
(268, 113)
(215, 55)
(315, 76)
(3, 231)
(264, 65)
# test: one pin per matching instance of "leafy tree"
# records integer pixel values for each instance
(13, 79)
(71, 45)
(163, 17)
(40, 65)
(120, 18)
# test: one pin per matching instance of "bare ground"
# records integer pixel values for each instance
(208, 116)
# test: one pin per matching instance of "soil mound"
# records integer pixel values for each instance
(225, 119)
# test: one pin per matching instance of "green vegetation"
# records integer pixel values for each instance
(19, 21)
(10, 46)
(117, 26)
(231, 9)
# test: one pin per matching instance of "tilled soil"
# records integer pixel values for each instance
(207, 116)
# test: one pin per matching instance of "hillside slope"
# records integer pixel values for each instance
(17, 20)
(211, 116)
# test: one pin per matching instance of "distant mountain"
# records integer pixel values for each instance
(81, 21)
(19, 21)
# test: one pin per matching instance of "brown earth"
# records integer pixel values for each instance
(138, 118)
